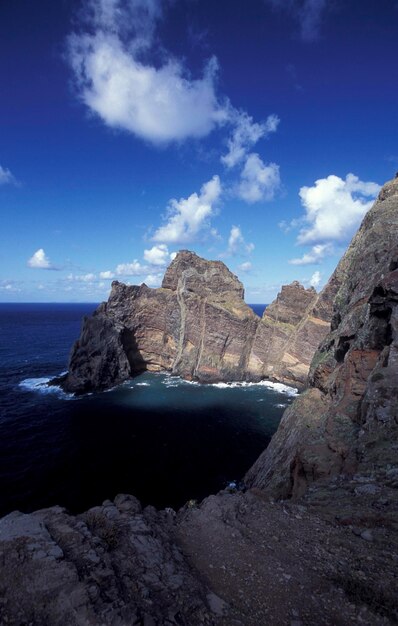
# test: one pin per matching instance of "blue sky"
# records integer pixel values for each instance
(254, 132)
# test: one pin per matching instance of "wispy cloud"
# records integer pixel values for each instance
(308, 13)
(40, 261)
(10, 286)
(189, 217)
(237, 243)
(315, 279)
(6, 178)
(259, 181)
(245, 135)
(315, 255)
(82, 278)
(245, 267)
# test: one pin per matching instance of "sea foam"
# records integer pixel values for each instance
(40, 385)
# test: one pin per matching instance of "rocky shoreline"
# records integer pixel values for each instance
(313, 538)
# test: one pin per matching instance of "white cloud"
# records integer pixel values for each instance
(315, 255)
(259, 182)
(132, 19)
(315, 279)
(10, 286)
(309, 14)
(82, 278)
(153, 280)
(245, 267)
(157, 255)
(5, 176)
(131, 269)
(335, 207)
(188, 217)
(237, 244)
(107, 274)
(245, 135)
(40, 261)
(159, 103)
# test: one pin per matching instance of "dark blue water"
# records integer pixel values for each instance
(160, 438)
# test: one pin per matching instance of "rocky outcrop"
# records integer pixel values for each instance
(347, 421)
(237, 559)
(197, 325)
(115, 564)
(289, 333)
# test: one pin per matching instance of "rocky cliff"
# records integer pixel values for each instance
(347, 421)
(197, 325)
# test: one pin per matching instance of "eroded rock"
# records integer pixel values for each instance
(197, 326)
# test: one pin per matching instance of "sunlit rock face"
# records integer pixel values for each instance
(347, 421)
(197, 325)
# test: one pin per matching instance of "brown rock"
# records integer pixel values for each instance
(197, 326)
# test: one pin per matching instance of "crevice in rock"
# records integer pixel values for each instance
(132, 352)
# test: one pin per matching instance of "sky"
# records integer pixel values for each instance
(255, 132)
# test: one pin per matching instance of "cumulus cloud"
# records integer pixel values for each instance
(6, 177)
(245, 267)
(157, 255)
(315, 279)
(245, 135)
(308, 13)
(106, 275)
(237, 243)
(40, 261)
(189, 217)
(160, 103)
(335, 207)
(259, 181)
(131, 269)
(153, 280)
(315, 255)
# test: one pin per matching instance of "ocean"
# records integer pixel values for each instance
(158, 437)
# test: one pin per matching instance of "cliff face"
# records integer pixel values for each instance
(289, 333)
(196, 325)
(347, 421)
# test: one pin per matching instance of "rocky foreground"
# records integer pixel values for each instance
(314, 537)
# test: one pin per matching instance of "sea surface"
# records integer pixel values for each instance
(158, 437)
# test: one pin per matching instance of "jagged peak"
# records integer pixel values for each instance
(200, 273)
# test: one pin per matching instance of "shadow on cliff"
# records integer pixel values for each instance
(134, 356)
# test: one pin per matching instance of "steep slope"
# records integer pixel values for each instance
(197, 326)
(347, 421)
(289, 333)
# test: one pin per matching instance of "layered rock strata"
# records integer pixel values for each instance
(197, 325)
(347, 421)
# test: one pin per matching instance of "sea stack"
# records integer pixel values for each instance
(198, 326)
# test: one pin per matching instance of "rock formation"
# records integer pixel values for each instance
(197, 325)
(347, 421)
